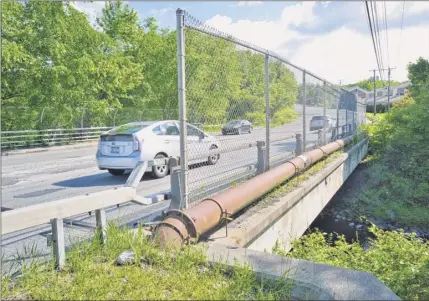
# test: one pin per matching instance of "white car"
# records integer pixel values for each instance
(122, 147)
(320, 122)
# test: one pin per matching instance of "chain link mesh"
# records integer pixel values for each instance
(226, 101)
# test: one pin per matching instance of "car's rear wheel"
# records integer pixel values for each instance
(159, 171)
(116, 172)
(212, 160)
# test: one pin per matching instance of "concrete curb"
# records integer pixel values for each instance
(47, 149)
(311, 281)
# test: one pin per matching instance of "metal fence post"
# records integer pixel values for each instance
(267, 111)
(181, 84)
(175, 185)
(101, 223)
(114, 118)
(58, 242)
(298, 146)
(81, 118)
(41, 117)
(324, 110)
(304, 119)
(262, 155)
(338, 115)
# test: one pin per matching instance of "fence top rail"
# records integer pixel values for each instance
(209, 30)
(53, 130)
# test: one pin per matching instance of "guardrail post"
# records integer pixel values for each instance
(58, 242)
(174, 185)
(261, 166)
(298, 146)
(320, 137)
(175, 188)
(101, 223)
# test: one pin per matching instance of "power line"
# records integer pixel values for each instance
(387, 34)
(400, 35)
(373, 36)
(377, 34)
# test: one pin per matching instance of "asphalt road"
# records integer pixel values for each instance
(34, 178)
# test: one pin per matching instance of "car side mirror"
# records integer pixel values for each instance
(202, 135)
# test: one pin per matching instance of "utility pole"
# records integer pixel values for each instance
(388, 91)
(374, 110)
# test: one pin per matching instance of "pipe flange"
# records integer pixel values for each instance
(186, 220)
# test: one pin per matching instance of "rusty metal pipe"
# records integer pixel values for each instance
(183, 226)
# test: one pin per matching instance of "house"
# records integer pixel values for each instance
(402, 88)
(362, 93)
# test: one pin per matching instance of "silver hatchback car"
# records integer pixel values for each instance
(122, 147)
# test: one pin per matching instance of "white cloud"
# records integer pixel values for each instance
(158, 13)
(301, 13)
(92, 9)
(249, 3)
(343, 53)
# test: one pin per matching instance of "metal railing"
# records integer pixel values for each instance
(50, 137)
(56, 213)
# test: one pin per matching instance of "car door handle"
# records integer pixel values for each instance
(166, 141)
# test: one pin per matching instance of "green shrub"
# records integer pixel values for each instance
(399, 260)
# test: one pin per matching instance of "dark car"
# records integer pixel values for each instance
(237, 127)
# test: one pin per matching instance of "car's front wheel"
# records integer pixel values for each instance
(159, 171)
(212, 160)
(116, 172)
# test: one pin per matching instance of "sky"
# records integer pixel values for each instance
(329, 38)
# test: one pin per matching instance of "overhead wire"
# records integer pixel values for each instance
(380, 49)
(400, 35)
(387, 34)
(371, 22)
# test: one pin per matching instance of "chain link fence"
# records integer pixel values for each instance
(260, 109)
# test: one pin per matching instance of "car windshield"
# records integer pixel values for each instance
(127, 129)
(234, 122)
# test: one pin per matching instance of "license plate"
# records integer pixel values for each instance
(114, 149)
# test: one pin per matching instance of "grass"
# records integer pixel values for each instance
(399, 260)
(91, 274)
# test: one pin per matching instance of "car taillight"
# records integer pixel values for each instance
(136, 145)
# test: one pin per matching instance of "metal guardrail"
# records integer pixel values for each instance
(31, 138)
(56, 213)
